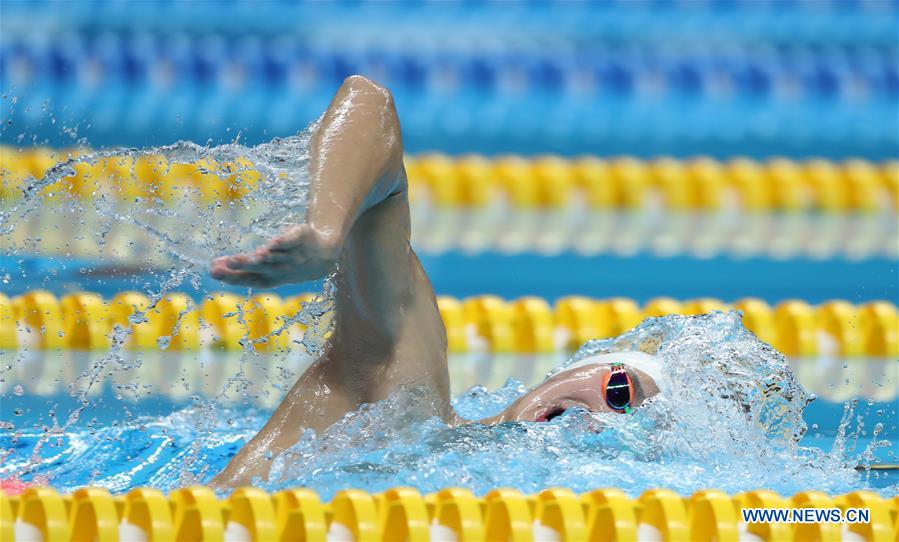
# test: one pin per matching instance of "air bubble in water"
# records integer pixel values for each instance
(18, 390)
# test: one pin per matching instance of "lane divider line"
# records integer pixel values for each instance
(402, 513)
(528, 325)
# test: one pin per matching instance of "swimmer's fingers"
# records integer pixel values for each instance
(221, 269)
(243, 278)
(220, 266)
(271, 254)
(279, 253)
(300, 254)
(255, 262)
(285, 249)
(304, 240)
(267, 262)
(233, 262)
(280, 258)
(292, 239)
(274, 271)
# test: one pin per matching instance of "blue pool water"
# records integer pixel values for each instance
(718, 78)
(640, 277)
(641, 78)
(165, 419)
(123, 419)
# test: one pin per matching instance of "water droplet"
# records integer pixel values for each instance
(18, 412)
(18, 390)
(163, 342)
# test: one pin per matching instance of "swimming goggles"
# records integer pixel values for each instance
(618, 389)
(617, 386)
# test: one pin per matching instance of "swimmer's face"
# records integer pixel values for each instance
(576, 388)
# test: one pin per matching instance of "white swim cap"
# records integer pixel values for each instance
(651, 365)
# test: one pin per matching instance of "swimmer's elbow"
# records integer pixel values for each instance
(359, 84)
(379, 98)
(362, 83)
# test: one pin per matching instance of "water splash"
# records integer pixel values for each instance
(710, 431)
(714, 356)
(184, 200)
(732, 421)
(162, 212)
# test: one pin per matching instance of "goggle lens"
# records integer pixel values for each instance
(618, 390)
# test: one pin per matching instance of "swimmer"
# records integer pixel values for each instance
(387, 332)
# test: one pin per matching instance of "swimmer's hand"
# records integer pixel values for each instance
(298, 255)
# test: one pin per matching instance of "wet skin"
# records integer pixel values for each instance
(387, 332)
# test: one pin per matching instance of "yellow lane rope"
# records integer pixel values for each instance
(85, 321)
(402, 513)
(545, 181)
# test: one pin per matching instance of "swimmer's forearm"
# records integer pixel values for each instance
(356, 157)
(356, 163)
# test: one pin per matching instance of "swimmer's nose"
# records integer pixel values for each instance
(550, 414)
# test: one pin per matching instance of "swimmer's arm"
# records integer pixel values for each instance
(357, 157)
(315, 402)
(356, 163)
(388, 332)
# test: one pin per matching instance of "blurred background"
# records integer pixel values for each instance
(598, 155)
(689, 148)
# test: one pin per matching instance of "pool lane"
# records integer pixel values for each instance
(160, 383)
(457, 274)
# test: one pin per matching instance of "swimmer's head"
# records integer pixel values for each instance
(618, 382)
